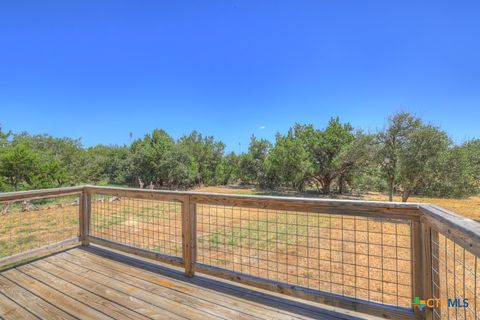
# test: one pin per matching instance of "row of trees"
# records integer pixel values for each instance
(408, 157)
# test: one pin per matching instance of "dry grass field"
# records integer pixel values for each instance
(366, 258)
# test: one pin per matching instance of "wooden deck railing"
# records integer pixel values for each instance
(372, 257)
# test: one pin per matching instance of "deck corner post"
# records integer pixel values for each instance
(85, 212)
(422, 265)
(189, 236)
(418, 270)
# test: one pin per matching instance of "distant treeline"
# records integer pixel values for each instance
(408, 156)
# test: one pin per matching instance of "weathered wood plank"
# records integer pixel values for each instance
(462, 230)
(136, 251)
(179, 308)
(417, 245)
(167, 288)
(54, 297)
(427, 266)
(138, 193)
(38, 194)
(257, 299)
(40, 251)
(376, 309)
(217, 298)
(35, 304)
(259, 201)
(11, 310)
(189, 242)
(125, 299)
(117, 311)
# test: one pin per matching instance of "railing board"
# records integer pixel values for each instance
(137, 251)
(39, 194)
(339, 301)
(464, 231)
(40, 251)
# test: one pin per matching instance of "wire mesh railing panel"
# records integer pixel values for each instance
(360, 257)
(30, 224)
(455, 285)
(146, 224)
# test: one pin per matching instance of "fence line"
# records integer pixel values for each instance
(373, 257)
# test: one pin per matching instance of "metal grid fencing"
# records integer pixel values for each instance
(355, 256)
(30, 224)
(146, 224)
(454, 278)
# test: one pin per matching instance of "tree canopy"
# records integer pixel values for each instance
(407, 157)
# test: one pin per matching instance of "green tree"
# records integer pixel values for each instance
(230, 168)
(23, 167)
(457, 172)
(207, 156)
(392, 141)
(327, 150)
(288, 163)
(354, 159)
(149, 159)
(420, 157)
(252, 164)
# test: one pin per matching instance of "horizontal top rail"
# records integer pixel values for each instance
(211, 195)
(330, 206)
(461, 229)
(40, 193)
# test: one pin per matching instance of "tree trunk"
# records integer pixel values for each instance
(327, 182)
(406, 195)
(390, 190)
(341, 184)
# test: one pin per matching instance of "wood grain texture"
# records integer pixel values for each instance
(38, 194)
(254, 295)
(9, 309)
(40, 251)
(463, 231)
(83, 283)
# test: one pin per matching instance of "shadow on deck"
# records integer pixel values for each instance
(94, 283)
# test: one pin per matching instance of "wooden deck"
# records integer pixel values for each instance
(93, 283)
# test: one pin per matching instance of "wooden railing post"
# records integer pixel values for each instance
(85, 212)
(418, 268)
(189, 240)
(435, 265)
(427, 267)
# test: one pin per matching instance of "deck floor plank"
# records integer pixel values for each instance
(94, 283)
(36, 305)
(85, 281)
(55, 297)
(202, 299)
(258, 302)
(108, 307)
(181, 308)
(9, 309)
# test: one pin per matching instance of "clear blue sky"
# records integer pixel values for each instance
(98, 70)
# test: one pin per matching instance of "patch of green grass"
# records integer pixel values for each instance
(106, 222)
(266, 234)
(25, 230)
(13, 264)
(4, 249)
(26, 240)
(72, 221)
(143, 214)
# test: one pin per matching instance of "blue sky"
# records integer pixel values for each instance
(97, 70)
